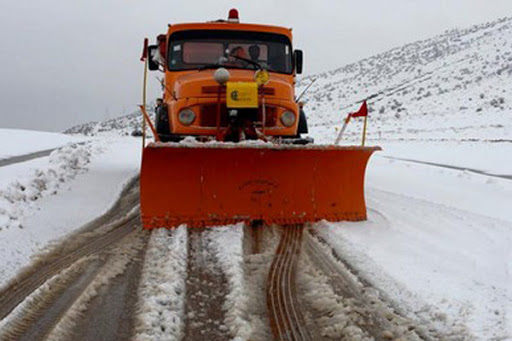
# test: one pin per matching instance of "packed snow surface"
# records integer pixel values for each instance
(438, 241)
(15, 142)
(231, 261)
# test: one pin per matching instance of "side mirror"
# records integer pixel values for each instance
(298, 57)
(152, 64)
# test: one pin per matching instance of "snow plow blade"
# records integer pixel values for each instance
(219, 184)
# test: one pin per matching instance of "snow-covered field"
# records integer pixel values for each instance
(15, 142)
(46, 198)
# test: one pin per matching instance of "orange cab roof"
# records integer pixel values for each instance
(224, 25)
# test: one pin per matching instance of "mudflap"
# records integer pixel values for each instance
(222, 183)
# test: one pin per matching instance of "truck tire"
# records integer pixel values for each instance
(162, 122)
(303, 123)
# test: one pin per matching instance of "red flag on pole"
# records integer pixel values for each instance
(144, 51)
(363, 111)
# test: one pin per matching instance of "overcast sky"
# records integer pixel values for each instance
(65, 62)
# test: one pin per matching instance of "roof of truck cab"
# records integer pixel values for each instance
(224, 25)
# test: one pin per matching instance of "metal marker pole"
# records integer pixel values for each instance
(144, 90)
(338, 139)
(364, 129)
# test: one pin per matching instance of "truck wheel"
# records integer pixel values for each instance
(162, 123)
(303, 123)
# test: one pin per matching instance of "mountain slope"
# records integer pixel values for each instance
(455, 86)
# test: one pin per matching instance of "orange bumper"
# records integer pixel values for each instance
(218, 184)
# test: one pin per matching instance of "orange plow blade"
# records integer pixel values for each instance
(218, 184)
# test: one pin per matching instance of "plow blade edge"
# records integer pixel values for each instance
(208, 185)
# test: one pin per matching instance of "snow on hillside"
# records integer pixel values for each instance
(13, 142)
(123, 126)
(453, 87)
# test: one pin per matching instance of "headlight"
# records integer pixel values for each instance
(288, 118)
(187, 116)
(221, 76)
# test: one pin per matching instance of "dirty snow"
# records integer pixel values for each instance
(114, 266)
(438, 240)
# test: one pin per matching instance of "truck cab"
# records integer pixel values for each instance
(227, 81)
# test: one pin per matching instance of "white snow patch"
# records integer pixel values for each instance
(227, 243)
(162, 290)
(16, 142)
(63, 165)
(449, 266)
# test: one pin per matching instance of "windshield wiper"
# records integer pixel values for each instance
(210, 66)
(258, 65)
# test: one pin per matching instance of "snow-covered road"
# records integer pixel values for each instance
(44, 199)
(438, 241)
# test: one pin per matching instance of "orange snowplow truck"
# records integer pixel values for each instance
(229, 134)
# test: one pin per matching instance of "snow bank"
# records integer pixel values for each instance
(16, 142)
(162, 290)
(63, 165)
(227, 244)
(71, 188)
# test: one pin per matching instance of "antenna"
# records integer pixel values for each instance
(306, 89)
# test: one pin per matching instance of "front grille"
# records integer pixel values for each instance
(208, 117)
(214, 89)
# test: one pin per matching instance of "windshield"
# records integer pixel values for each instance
(232, 49)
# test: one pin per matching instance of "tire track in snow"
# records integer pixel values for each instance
(441, 165)
(53, 311)
(16, 292)
(286, 319)
(26, 157)
(206, 289)
(362, 307)
(122, 219)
